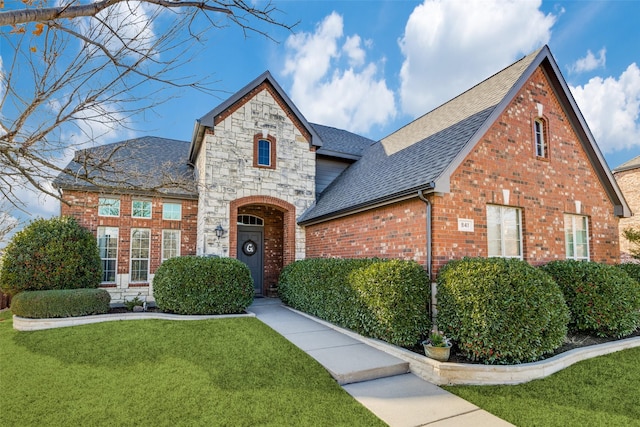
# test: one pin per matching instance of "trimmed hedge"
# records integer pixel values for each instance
(500, 311)
(603, 299)
(54, 253)
(202, 285)
(384, 299)
(60, 303)
(632, 269)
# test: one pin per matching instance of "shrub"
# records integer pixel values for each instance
(384, 299)
(603, 299)
(200, 285)
(632, 269)
(60, 303)
(500, 311)
(50, 254)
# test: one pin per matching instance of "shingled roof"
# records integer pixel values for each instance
(143, 165)
(422, 155)
(628, 165)
(341, 143)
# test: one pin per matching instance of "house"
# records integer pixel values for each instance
(628, 177)
(508, 168)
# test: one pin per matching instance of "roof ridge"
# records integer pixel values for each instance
(487, 93)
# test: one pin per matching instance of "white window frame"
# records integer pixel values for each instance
(503, 230)
(540, 138)
(166, 239)
(270, 146)
(140, 254)
(141, 211)
(107, 205)
(169, 214)
(106, 234)
(571, 236)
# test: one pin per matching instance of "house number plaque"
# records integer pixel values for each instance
(249, 247)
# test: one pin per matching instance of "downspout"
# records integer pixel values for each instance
(429, 255)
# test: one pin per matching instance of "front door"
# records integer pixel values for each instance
(251, 252)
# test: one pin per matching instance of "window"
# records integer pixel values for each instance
(576, 237)
(504, 232)
(540, 138)
(264, 151)
(141, 209)
(108, 247)
(250, 220)
(140, 239)
(108, 207)
(170, 244)
(172, 211)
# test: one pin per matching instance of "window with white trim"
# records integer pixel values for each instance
(140, 241)
(504, 231)
(141, 209)
(172, 211)
(576, 237)
(108, 207)
(108, 248)
(170, 244)
(264, 152)
(540, 138)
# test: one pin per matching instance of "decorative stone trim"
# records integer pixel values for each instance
(25, 324)
(447, 373)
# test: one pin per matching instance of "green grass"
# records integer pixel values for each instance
(235, 372)
(603, 391)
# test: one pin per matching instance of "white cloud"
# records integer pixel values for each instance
(449, 46)
(332, 81)
(589, 62)
(611, 108)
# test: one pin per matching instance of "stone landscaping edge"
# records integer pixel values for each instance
(25, 324)
(447, 373)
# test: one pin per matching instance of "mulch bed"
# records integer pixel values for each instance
(572, 341)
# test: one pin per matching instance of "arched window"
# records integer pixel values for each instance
(244, 219)
(264, 151)
(540, 138)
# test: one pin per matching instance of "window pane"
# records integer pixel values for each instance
(504, 234)
(139, 255)
(494, 231)
(172, 211)
(141, 209)
(170, 244)
(576, 232)
(108, 207)
(264, 152)
(108, 249)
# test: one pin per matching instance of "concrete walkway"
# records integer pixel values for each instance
(379, 381)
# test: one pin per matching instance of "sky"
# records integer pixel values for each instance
(371, 67)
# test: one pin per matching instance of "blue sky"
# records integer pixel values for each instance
(373, 66)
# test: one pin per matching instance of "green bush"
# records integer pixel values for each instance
(500, 311)
(201, 285)
(632, 269)
(603, 299)
(384, 299)
(60, 303)
(50, 254)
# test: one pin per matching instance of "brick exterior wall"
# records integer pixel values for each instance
(504, 159)
(629, 183)
(84, 207)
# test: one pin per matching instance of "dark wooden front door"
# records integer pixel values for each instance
(251, 252)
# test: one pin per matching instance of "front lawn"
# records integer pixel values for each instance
(603, 391)
(235, 372)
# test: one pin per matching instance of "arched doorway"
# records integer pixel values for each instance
(262, 235)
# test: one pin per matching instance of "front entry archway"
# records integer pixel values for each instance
(267, 225)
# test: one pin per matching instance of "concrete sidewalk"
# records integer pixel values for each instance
(379, 381)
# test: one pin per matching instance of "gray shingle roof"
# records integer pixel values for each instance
(416, 156)
(628, 165)
(341, 143)
(147, 164)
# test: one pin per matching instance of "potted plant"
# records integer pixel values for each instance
(437, 347)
